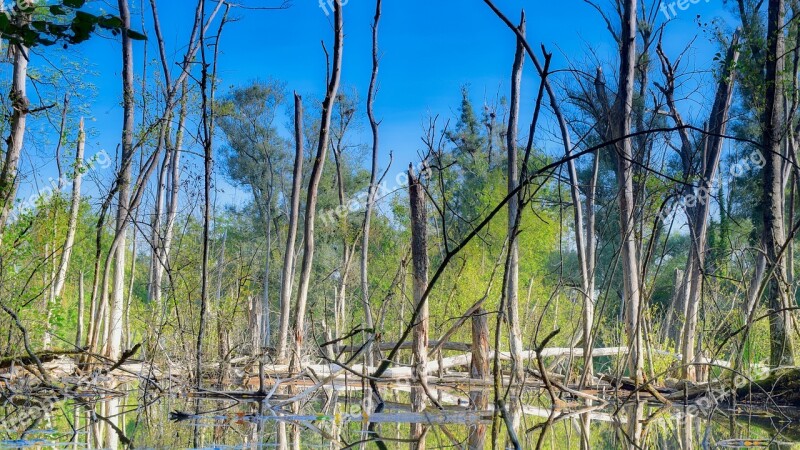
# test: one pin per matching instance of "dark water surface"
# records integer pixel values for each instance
(336, 420)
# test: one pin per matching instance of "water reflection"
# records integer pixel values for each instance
(335, 419)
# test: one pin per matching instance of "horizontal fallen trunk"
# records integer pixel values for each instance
(443, 364)
(780, 388)
(44, 357)
(386, 346)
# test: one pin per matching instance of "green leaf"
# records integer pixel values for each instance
(5, 22)
(74, 3)
(39, 25)
(135, 35)
(57, 10)
(109, 22)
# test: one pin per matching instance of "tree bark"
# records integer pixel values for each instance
(207, 93)
(622, 126)
(698, 216)
(19, 103)
(774, 236)
(287, 276)
(313, 186)
(114, 327)
(81, 307)
(479, 369)
(264, 327)
(419, 258)
(373, 123)
(74, 210)
(512, 275)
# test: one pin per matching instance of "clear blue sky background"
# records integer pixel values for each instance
(429, 50)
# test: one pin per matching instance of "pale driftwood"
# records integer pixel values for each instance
(455, 346)
(462, 360)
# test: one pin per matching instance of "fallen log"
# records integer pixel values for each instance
(780, 388)
(44, 357)
(386, 346)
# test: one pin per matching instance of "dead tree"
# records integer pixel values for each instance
(114, 325)
(20, 104)
(163, 242)
(698, 215)
(313, 185)
(287, 276)
(774, 236)
(345, 114)
(621, 127)
(74, 209)
(419, 258)
(512, 274)
(479, 369)
(208, 117)
(373, 123)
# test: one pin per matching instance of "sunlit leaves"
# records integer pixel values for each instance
(59, 23)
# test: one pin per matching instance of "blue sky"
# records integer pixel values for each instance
(429, 50)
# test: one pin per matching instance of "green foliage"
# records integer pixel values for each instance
(34, 24)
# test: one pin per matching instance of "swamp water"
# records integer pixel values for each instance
(334, 419)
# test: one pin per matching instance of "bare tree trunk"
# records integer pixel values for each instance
(347, 250)
(156, 235)
(160, 260)
(582, 244)
(74, 210)
(129, 296)
(479, 369)
(19, 103)
(512, 274)
(81, 308)
(287, 276)
(781, 345)
(479, 364)
(622, 126)
(207, 90)
(753, 291)
(94, 320)
(173, 193)
(222, 331)
(699, 215)
(313, 186)
(419, 257)
(115, 324)
(50, 298)
(264, 327)
(373, 123)
(591, 263)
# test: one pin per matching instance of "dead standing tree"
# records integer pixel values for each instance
(698, 215)
(313, 185)
(287, 276)
(620, 127)
(584, 237)
(419, 258)
(114, 325)
(373, 123)
(512, 274)
(20, 105)
(774, 237)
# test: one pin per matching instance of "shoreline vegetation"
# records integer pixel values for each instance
(610, 238)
